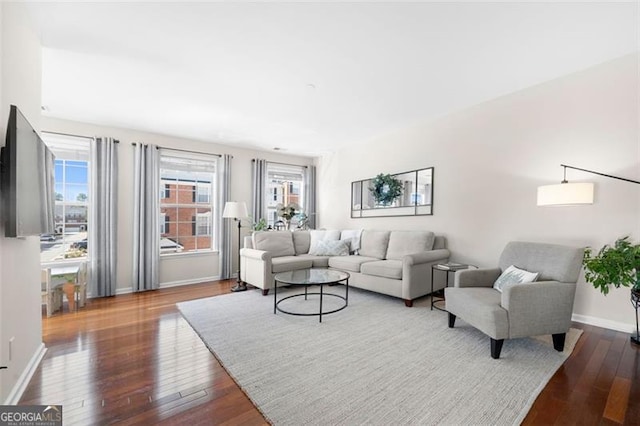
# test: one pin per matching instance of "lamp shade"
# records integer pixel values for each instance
(235, 210)
(565, 194)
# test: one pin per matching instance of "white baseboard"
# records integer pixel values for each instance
(120, 291)
(16, 393)
(604, 323)
(187, 282)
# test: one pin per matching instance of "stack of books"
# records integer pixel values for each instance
(453, 266)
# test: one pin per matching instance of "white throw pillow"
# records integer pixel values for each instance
(513, 275)
(330, 248)
(322, 235)
(352, 238)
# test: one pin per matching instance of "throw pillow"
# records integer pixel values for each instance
(330, 248)
(352, 238)
(322, 235)
(513, 275)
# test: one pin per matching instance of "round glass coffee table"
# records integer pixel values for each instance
(309, 277)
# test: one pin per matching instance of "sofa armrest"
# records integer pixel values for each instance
(425, 257)
(542, 307)
(255, 254)
(477, 277)
(416, 272)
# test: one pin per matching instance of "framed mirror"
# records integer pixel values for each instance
(377, 197)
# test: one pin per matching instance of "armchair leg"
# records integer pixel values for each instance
(452, 320)
(496, 348)
(558, 341)
(408, 303)
(265, 292)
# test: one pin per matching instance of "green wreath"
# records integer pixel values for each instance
(385, 189)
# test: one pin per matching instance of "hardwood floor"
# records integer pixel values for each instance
(133, 359)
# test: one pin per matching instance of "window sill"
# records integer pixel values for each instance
(188, 254)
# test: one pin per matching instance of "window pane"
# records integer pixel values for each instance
(285, 185)
(76, 193)
(76, 174)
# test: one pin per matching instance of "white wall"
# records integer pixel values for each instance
(173, 269)
(489, 160)
(20, 309)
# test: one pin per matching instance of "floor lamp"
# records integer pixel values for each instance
(236, 211)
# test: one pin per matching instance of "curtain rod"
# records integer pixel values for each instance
(183, 150)
(284, 164)
(69, 134)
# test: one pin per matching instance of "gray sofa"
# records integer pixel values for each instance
(520, 310)
(395, 263)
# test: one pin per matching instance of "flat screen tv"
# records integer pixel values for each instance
(27, 180)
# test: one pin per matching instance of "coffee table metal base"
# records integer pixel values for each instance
(321, 293)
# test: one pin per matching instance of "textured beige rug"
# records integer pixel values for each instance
(376, 362)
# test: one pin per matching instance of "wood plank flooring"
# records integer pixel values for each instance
(132, 359)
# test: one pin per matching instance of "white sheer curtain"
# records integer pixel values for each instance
(146, 237)
(258, 184)
(224, 227)
(310, 196)
(103, 216)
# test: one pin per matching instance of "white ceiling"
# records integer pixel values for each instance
(308, 77)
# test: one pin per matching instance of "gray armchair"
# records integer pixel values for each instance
(521, 310)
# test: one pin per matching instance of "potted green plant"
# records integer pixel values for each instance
(617, 265)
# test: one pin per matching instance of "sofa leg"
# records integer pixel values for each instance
(452, 320)
(496, 348)
(408, 303)
(265, 292)
(558, 341)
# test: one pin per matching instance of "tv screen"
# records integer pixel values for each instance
(27, 180)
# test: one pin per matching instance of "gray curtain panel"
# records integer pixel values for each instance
(310, 199)
(259, 179)
(224, 225)
(146, 237)
(104, 216)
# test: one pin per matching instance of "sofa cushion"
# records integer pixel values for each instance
(330, 248)
(374, 244)
(278, 243)
(402, 243)
(318, 261)
(349, 263)
(352, 237)
(383, 268)
(301, 242)
(289, 263)
(324, 235)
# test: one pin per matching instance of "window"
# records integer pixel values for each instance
(72, 196)
(285, 184)
(186, 202)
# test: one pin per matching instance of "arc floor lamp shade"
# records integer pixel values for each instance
(565, 194)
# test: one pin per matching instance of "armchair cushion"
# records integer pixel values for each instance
(513, 275)
(481, 308)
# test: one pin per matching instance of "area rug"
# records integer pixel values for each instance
(376, 362)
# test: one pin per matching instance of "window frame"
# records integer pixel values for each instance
(77, 149)
(192, 206)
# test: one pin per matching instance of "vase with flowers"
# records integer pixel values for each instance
(287, 212)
